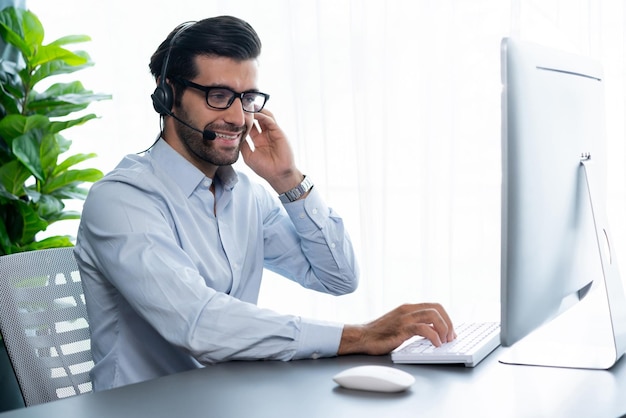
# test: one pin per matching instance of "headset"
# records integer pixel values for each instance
(163, 96)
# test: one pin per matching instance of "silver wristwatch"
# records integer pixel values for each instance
(297, 192)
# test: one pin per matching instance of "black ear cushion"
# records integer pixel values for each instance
(163, 96)
(162, 99)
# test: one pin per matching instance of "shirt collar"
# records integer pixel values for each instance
(185, 174)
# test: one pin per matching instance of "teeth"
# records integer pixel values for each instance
(226, 136)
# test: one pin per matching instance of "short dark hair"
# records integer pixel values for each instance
(223, 36)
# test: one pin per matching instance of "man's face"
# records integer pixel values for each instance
(231, 125)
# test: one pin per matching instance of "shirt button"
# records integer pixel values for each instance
(315, 355)
(314, 211)
(206, 183)
(302, 215)
(332, 245)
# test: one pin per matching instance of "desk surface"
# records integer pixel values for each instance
(305, 388)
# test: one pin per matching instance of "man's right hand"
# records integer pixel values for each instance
(384, 334)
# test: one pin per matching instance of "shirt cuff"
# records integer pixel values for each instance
(318, 339)
(310, 209)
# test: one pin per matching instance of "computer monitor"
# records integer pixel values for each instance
(562, 302)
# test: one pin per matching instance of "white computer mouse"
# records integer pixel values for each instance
(374, 378)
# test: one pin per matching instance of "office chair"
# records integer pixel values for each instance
(44, 324)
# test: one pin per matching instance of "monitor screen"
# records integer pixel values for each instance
(553, 140)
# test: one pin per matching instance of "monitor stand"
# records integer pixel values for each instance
(592, 333)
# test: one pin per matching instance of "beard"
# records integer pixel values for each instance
(208, 150)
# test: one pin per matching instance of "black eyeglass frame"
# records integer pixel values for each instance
(236, 94)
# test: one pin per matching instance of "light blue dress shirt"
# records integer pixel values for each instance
(172, 272)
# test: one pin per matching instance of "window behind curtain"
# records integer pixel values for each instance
(393, 109)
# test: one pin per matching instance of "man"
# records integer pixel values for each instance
(172, 244)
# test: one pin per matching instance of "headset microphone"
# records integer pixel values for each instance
(163, 96)
(206, 134)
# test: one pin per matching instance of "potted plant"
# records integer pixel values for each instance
(36, 179)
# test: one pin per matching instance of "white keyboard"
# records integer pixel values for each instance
(474, 342)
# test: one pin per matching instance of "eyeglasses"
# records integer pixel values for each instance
(222, 97)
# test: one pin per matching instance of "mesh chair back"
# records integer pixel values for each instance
(44, 324)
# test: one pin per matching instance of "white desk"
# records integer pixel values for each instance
(305, 389)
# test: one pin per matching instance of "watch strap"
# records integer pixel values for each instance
(297, 192)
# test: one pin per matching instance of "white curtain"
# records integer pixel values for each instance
(393, 109)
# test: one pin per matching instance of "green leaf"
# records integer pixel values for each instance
(63, 89)
(33, 194)
(12, 29)
(33, 224)
(5, 240)
(71, 177)
(12, 177)
(48, 154)
(72, 161)
(10, 70)
(49, 53)
(14, 126)
(57, 67)
(56, 108)
(26, 149)
(63, 98)
(50, 242)
(12, 219)
(83, 98)
(11, 89)
(72, 192)
(49, 207)
(64, 144)
(58, 126)
(8, 101)
(71, 39)
(66, 215)
(6, 196)
(33, 30)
